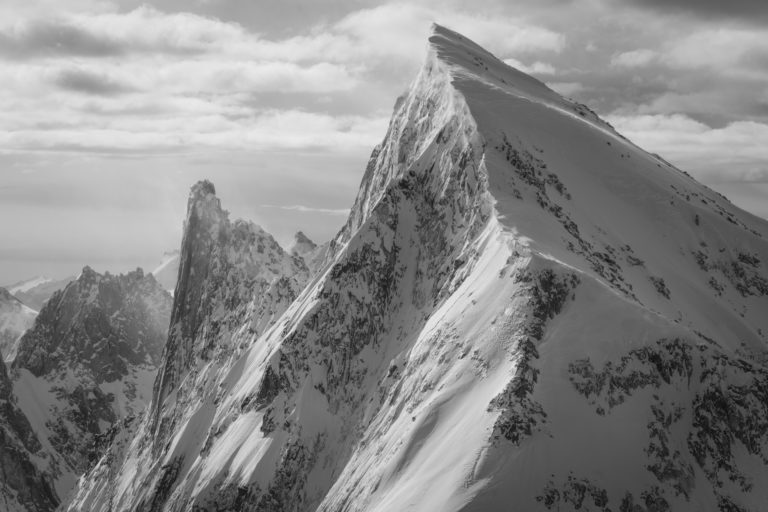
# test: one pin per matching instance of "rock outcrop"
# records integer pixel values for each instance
(87, 364)
(522, 308)
(23, 487)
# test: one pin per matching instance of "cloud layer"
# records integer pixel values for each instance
(279, 95)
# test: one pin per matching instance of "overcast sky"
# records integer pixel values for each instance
(112, 109)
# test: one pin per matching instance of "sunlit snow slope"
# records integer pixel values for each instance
(524, 311)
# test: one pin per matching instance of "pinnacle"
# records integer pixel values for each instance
(203, 188)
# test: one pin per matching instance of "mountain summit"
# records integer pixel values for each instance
(86, 366)
(523, 309)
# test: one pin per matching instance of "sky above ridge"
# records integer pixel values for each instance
(113, 109)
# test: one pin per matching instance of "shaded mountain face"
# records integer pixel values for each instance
(234, 282)
(36, 291)
(15, 319)
(88, 363)
(23, 488)
(88, 322)
(230, 273)
(312, 254)
(522, 307)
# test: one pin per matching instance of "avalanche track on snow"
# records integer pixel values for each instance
(523, 311)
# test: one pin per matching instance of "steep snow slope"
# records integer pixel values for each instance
(523, 311)
(87, 363)
(15, 319)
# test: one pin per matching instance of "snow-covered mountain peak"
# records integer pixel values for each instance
(465, 60)
(522, 307)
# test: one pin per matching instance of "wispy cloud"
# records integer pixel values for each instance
(308, 209)
(634, 58)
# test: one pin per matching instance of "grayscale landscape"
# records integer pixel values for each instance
(545, 290)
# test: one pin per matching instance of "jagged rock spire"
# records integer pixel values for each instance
(220, 262)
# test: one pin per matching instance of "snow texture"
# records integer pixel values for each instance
(523, 310)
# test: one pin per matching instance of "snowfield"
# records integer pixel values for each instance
(524, 311)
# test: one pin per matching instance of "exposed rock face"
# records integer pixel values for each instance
(15, 319)
(230, 274)
(23, 488)
(522, 308)
(88, 362)
(234, 282)
(105, 323)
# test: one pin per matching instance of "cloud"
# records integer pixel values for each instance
(735, 152)
(538, 67)
(720, 49)
(85, 82)
(754, 11)
(196, 132)
(634, 58)
(151, 81)
(308, 209)
(398, 28)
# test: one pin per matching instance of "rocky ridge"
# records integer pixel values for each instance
(87, 364)
(23, 487)
(522, 307)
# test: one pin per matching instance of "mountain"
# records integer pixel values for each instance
(167, 271)
(523, 310)
(35, 291)
(234, 282)
(15, 319)
(87, 365)
(312, 254)
(23, 488)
